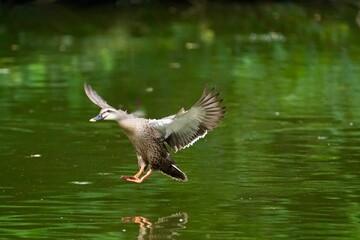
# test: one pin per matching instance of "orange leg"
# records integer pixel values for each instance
(141, 171)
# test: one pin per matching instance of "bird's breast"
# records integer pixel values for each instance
(136, 129)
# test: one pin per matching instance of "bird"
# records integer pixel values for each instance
(150, 137)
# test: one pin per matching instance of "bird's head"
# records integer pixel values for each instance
(107, 113)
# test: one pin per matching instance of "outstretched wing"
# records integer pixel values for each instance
(186, 127)
(94, 97)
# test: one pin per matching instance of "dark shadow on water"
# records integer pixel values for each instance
(165, 227)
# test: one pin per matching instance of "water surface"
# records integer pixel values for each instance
(284, 163)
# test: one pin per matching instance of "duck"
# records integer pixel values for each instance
(151, 138)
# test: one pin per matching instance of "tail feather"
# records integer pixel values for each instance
(168, 167)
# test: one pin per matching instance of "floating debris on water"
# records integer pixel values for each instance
(192, 45)
(4, 71)
(322, 137)
(262, 37)
(81, 182)
(36, 155)
(149, 89)
(104, 173)
(175, 65)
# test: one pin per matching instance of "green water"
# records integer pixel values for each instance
(284, 163)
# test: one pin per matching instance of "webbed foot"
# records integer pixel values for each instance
(136, 179)
(127, 177)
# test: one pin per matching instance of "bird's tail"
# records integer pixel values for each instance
(169, 168)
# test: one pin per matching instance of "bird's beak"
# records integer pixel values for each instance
(97, 118)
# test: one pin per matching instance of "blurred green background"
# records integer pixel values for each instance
(283, 164)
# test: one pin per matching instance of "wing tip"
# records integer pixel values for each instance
(94, 96)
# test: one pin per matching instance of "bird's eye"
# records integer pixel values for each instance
(108, 111)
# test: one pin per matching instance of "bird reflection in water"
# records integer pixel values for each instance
(164, 228)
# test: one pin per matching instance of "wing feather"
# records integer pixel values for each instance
(94, 97)
(186, 127)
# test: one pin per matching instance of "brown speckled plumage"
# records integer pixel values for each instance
(149, 136)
